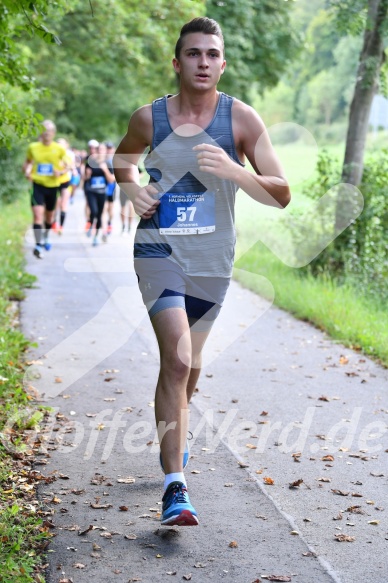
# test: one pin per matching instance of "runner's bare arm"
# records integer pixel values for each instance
(268, 185)
(126, 158)
(27, 167)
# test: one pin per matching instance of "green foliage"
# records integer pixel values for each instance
(360, 254)
(260, 42)
(350, 16)
(11, 161)
(22, 536)
(19, 21)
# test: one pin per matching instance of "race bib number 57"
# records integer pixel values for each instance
(187, 213)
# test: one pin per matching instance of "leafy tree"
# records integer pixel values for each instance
(260, 42)
(374, 15)
(19, 20)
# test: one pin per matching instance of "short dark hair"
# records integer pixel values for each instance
(199, 24)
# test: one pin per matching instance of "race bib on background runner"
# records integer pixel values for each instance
(45, 170)
(98, 182)
(191, 213)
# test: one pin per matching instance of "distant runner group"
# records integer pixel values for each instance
(56, 170)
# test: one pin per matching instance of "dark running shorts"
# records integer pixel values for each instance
(163, 284)
(64, 185)
(44, 196)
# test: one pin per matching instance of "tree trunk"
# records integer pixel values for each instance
(371, 59)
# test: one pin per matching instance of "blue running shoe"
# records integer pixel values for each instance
(47, 245)
(186, 454)
(177, 510)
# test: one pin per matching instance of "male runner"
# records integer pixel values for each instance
(184, 245)
(45, 164)
(64, 187)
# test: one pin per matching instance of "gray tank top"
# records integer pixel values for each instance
(194, 224)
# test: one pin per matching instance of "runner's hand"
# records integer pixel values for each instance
(215, 160)
(144, 203)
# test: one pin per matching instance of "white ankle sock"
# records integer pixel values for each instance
(175, 477)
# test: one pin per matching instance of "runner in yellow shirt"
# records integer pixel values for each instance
(45, 163)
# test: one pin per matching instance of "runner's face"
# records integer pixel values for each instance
(48, 135)
(201, 61)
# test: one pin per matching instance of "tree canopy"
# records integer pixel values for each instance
(89, 63)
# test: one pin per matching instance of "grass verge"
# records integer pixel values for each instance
(339, 310)
(24, 533)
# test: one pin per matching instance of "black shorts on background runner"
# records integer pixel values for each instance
(44, 196)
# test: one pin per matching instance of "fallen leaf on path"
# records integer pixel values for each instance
(340, 492)
(170, 572)
(233, 544)
(296, 484)
(276, 577)
(108, 379)
(58, 380)
(268, 481)
(375, 522)
(195, 471)
(123, 508)
(324, 479)
(344, 538)
(88, 529)
(338, 517)
(159, 556)
(130, 536)
(110, 399)
(91, 414)
(323, 398)
(355, 510)
(100, 506)
(228, 484)
(200, 565)
(79, 566)
(356, 495)
(251, 446)
(243, 465)
(187, 577)
(294, 532)
(327, 458)
(343, 359)
(106, 534)
(128, 480)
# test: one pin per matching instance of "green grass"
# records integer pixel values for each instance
(22, 532)
(340, 310)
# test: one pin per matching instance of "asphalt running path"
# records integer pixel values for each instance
(270, 382)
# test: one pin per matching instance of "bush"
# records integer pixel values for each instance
(360, 254)
(11, 177)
